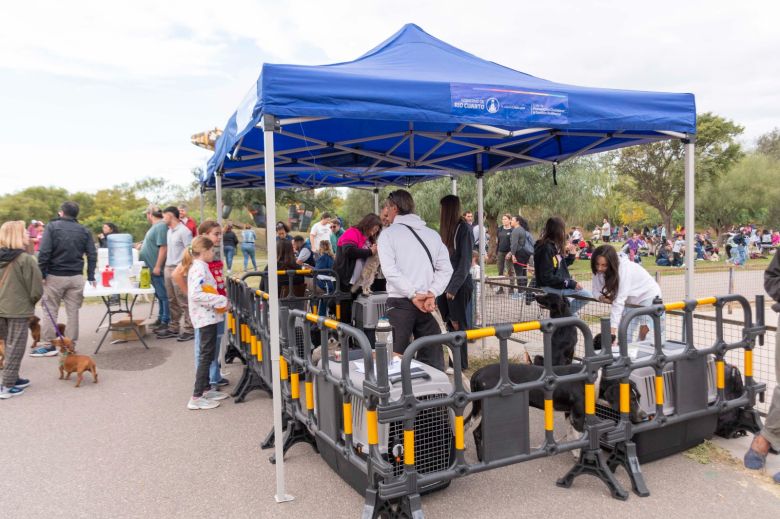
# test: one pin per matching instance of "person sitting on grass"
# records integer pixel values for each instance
(207, 310)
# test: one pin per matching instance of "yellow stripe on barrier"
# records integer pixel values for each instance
(460, 444)
(480, 333)
(259, 350)
(625, 404)
(253, 345)
(283, 368)
(312, 318)
(373, 427)
(409, 447)
(590, 399)
(338, 311)
(549, 420)
(679, 305)
(748, 363)
(721, 372)
(309, 396)
(243, 332)
(527, 326)
(659, 390)
(295, 390)
(299, 271)
(347, 417)
(262, 294)
(314, 309)
(229, 321)
(330, 323)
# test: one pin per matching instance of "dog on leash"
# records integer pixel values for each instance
(35, 330)
(564, 340)
(568, 397)
(70, 361)
(367, 275)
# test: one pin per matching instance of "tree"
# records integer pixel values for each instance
(769, 144)
(748, 193)
(654, 172)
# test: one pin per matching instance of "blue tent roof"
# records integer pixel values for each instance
(415, 107)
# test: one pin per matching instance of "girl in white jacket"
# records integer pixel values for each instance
(207, 309)
(617, 281)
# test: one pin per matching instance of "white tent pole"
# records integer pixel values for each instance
(690, 220)
(481, 223)
(376, 200)
(273, 304)
(454, 186)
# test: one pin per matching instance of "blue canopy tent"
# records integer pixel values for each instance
(416, 108)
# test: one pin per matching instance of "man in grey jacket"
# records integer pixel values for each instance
(61, 260)
(417, 267)
(755, 458)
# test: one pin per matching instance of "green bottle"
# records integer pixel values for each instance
(146, 278)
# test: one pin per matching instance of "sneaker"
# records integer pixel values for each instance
(753, 460)
(44, 351)
(157, 323)
(167, 333)
(158, 327)
(201, 403)
(213, 394)
(21, 383)
(223, 382)
(9, 392)
(184, 337)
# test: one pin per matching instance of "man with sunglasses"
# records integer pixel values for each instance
(417, 266)
(335, 233)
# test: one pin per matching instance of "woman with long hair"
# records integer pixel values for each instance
(285, 260)
(618, 281)
(552, 257)
(21, 287)
(108, 228)
(456, 235)
(355, 246)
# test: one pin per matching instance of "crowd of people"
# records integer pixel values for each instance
(421, 269)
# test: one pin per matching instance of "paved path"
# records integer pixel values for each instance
(128, 447)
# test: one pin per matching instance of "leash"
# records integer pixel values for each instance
(53, 322)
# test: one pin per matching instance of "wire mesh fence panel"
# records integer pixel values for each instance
(506, 302)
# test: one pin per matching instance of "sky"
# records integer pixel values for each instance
(95, 93)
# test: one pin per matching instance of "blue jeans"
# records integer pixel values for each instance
(214, 374)
(328, 287)
(164, 313)
(574, 304)
(229, 253)
(248, 250)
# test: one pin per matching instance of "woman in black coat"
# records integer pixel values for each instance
(357, 243)
(456, 235)
(552, 257)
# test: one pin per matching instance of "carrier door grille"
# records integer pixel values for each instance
(432, 439)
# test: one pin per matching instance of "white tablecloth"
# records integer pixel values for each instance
(101, 291)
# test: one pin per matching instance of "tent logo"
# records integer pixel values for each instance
(492, 105)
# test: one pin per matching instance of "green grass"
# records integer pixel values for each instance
(582, 267)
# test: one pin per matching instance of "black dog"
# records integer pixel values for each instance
(568, 397)
(564, 340)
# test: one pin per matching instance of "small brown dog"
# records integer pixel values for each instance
(35, 330)
(70, 361)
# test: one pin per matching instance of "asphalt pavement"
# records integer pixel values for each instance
(128, 447)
